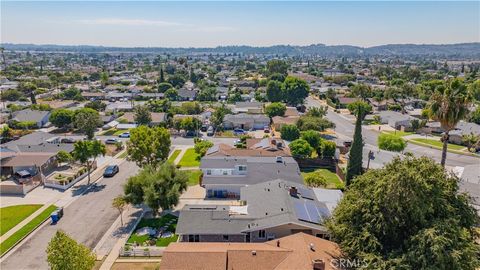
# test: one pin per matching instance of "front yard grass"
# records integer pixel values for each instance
(156, 223)
(333, 181)
(10, 216)
(399, 133)
(113, 132)
(193, 177)
(25, 230)
(174, 156)
(438, 144)
(190, 159)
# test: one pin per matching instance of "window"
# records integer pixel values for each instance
(209, 172)
(225, 172)
(261, 234)
(225, 237)
(242, 168)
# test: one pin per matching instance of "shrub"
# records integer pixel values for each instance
(315, 179)
(300, 148)
(290, 132)
(391, 142)
(201, 147)
(328, 148)
(275, 109)
(313, 138)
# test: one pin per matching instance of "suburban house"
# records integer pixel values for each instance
(463, 128)
(299, 251)
(93, 95)
(129, 118)
(345, 101)
(28, 115)
(290, 117)
(248, 107)
(245, 121)
(396, 120)
(186, 95)
(224, 176)
(266, 147)
(381, 105)
(266, 211)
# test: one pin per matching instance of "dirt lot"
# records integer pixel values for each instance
(136, 266)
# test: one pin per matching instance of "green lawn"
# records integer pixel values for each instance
(25, 230)
(190, 159)
(155, 223)
(193, 177)
(174, 156)
(438, 144)
(12, 215)
(123, 155)
(333, 181)
(113, 132)
(399, 133)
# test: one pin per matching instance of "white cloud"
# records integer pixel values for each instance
(128, 22)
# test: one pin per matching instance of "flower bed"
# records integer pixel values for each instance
(155, 232)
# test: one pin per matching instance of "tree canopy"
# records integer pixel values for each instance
(148, 146)
(408, 215)
(391, 142)
(290, 132)
(87, 120)
(300, 148)
(142, 115)
(62, 118)
(64, 253)
(275, 109)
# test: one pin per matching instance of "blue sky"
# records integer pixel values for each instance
(208, 24)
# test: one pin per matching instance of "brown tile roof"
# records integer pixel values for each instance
(294, 252)
(288, 120)
(27, 159)
(252, 150)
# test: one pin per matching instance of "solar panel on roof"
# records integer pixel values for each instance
(306, 193)
(313, 212)
(301, 211)
(324, 212)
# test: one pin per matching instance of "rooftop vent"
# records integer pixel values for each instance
(312, 247)
(254, 252)
(279, 159)
(293, 192)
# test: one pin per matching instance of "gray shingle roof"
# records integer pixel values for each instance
(259, 169)
(30, 115)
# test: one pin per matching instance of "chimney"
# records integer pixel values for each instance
(293, 191)
(318, 264)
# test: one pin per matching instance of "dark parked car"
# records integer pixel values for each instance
(238, 132)
(110, 171)
(67, 140)
(204, 128)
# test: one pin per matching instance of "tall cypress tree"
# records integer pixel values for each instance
(162, 78)
(354, 166)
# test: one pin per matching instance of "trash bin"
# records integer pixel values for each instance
(54, 217)
(60, 212)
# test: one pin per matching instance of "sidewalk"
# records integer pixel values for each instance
(65, 198)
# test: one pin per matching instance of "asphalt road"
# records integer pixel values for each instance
(86, 220)
(345, 129)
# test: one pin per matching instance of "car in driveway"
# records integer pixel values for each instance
(67, 140)
(112, 141)
(111, 170)
(210, 131)
(238, 132)
(124, 135)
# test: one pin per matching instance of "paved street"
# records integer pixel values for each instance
(345, 128)
(86, 220)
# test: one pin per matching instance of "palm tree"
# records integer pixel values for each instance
(449, 104)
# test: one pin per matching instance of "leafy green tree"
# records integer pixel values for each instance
(448, 105)
(171, 94)
(475, 116)
(64, 157)
(72, 93)
(120, 203)
(474, 88)
(87, 120)
(317, 111)
(313, 123)
(159, 105)
(277, 77)
(191, 107)
(142, 115)
(207, 94)
(275, 109)
(148, 146)
(11, 95)
(471, 141)
(190, 124)
(315, 179)
(354, 166)
(97, 105)
(164, 86)
(162, 76)
(353, 108)
(64, 253)
(86, 152)
(328, 149)
(313, 138)
(391, 142)
(62, 118)
(6, 133)
(104, 78)
(201, 147)
(219, 114)
(276, 66)
(407, 215)
(300, 148)
(176, 80)
(274, 91)
(295, 90)
(290, 132)
(158, 188)
(28, 88)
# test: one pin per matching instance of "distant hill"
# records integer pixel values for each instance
(446, 50)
